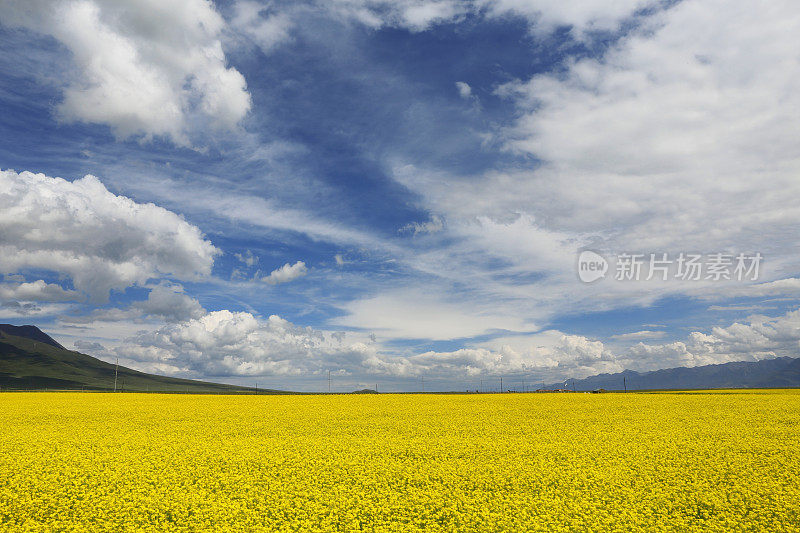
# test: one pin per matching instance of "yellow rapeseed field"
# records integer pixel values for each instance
(512, 462)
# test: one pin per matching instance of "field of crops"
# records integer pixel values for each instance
(513, 462)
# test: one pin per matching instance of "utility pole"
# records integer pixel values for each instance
(423, 383)
(501, 384)
(116, 370)
(256, 388)
(624, 384)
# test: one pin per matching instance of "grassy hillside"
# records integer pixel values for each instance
(31, 362)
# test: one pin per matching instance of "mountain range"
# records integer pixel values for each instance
(768, 373)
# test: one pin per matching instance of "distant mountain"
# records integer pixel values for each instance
(30, 359)
(768, 373)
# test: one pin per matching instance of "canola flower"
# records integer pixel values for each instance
(711, 461)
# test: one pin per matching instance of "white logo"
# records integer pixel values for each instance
(591, 266)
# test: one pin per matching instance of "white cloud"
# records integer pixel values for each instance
(15, 309)
(88, 346)
(739, 307)
(339, 260)
(286, 273)
(554, 356)
(763, 337)
(434, 225)
(145, 67)
(464, 90)
(100, 240)
(698, 104)
(223, 343)
(427, 313)
(548, 355)
(414, 15)
(247, 258)
(258, 22)
(37, 291)
(636, 335)
(771, 288)
(270, 24)
(166, 301)
(582, 15)
(677, 139)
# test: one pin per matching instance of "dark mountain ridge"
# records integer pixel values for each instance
(29, 332)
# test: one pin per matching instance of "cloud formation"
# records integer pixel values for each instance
(286, 273)
(674, 139)
(224, 343)
(144, 67)
(37, 291)
(272, 24)
(100, 240)
(165, 302)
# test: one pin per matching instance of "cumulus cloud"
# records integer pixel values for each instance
(100, 240)
(168, 301)
(223, 343)
(286, 273)
(553, 355)
(145, 68)
(37, 291)
(761, 338)
(549, 355)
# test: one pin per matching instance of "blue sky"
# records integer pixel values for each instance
(397, 190)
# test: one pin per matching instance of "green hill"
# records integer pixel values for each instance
(31, 360)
